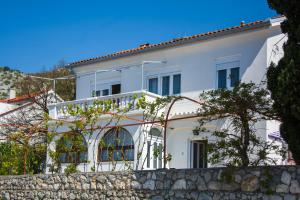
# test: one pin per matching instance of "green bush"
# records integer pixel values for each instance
(12, 158)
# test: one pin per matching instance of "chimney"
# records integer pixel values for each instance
(12, 93)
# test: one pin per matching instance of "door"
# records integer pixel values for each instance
(199, 154)
(116, 89)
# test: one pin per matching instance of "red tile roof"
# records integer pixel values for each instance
(174, 42)
(20, 98)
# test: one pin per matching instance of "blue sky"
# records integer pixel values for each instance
(36, 35)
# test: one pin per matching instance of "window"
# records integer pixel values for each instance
(116, 145)
(105, 89)
(98, 93)
(177, 84)
(155, 132)
(165, 85)
(153, 85)
(154, 149)
(72, 148)
(105, 92)
(116, 89)
(199, 154)
(157, 155)
(228, 74)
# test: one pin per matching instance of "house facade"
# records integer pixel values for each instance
(26, 109)
(182, 66)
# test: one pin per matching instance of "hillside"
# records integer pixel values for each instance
(14, 79)
(8, 80)
(64, 88)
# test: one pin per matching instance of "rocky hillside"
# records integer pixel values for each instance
(64, 88)
(8, 79)
(22, 84)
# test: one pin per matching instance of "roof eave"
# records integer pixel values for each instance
(262, 24)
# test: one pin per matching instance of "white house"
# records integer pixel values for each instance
(25, 109)
(182, 66)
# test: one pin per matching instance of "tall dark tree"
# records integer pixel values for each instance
(284, 78)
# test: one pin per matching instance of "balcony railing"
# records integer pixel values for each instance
(59, 110)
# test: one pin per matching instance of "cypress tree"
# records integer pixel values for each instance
(284, 78)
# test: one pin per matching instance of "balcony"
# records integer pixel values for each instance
(58, 110)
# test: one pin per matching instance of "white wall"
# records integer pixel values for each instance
(83, 84)
(131, 80)
(196, 62)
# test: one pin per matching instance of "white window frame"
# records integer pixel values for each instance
(227, 66)
(160, 80)
(104, 86)
(158, 141)
(191, 146)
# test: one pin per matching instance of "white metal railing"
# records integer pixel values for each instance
(59, 110)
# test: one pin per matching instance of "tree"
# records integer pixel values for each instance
(12, 157)
(283, 79)
(92, 120)
(65, 88)
(25, 129)
(237, 142)
(88, 122)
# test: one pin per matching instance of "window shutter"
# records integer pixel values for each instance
(153, 85)
(166, 85)
(177, 84)
(222, 75)
(234, 76)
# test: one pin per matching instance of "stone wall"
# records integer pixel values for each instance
(280, 182)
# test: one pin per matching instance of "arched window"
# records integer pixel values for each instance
(116, 145)
(72, 148)
(155, 132)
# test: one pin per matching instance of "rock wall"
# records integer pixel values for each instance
(280, 182)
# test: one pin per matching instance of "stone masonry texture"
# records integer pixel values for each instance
(265, 183)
